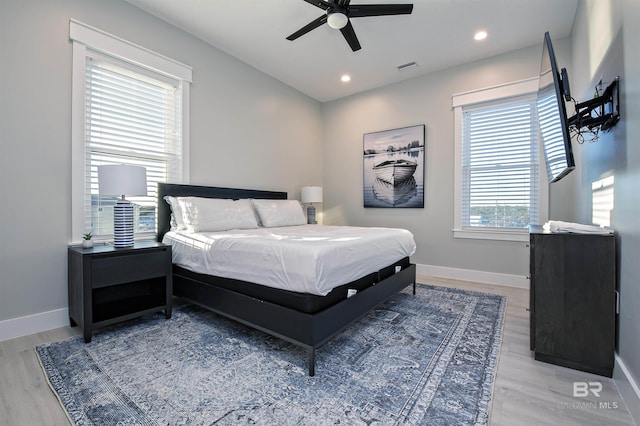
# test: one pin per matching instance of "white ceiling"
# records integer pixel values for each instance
(437, 35)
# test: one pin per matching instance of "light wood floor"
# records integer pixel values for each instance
(527, 392)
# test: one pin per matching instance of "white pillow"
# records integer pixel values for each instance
(280, 213)
(177, 221)
(216, 214)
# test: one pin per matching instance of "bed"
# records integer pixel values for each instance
(303, 318)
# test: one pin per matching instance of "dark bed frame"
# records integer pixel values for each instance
(309, 330)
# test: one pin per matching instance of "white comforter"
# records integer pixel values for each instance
(307, 259)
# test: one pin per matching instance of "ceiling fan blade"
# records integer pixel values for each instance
(310, 26)
(350, 35)
(362, 10)
(322, 4)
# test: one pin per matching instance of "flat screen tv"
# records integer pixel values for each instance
(553, 89)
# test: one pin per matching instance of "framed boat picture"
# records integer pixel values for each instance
(394, 163)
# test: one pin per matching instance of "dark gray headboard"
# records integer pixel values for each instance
(178, 190)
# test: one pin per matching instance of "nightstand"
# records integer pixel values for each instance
(108, 285)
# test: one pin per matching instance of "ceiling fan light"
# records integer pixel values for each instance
(337, 20)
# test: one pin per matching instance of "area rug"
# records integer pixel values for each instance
(428, 358)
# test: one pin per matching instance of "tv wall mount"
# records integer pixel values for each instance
(600, 113)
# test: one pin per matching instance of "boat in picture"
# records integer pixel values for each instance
(395, 195)
(395, 171)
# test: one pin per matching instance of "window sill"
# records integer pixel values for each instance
(108, 240)
(520, 235)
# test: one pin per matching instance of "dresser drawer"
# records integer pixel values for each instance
(112, 270)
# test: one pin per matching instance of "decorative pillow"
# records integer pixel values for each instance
(177, 221)
(216, 214)
(274, 213)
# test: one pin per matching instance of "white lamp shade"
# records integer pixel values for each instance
(337, 20)
(311, 194)
(121, 179)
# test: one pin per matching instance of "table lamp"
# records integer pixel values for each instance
(120, 180)
(310, 195)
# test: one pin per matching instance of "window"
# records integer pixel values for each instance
(124, 113)
(498, 185)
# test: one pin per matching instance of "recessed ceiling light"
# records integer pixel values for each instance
(345, 78)
(480, 35)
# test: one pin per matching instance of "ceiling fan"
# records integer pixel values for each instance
(339, 13)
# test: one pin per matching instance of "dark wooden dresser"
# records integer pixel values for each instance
(572, 299)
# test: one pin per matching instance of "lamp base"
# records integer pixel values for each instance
(311, 215)
(123, 224)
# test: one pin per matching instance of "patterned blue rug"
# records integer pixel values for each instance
(424, 359)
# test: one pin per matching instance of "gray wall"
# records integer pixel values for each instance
(605, 40)
(427, 100)
(247, 130)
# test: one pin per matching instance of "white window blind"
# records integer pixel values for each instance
(500, 168)
(552, 134)
(131, 117)
(130, 105)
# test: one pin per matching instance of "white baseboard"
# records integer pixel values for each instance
(629, 389)
(30, 324)
(508, 280)
(36, 323)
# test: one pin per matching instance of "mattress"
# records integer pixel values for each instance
(306, 259)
